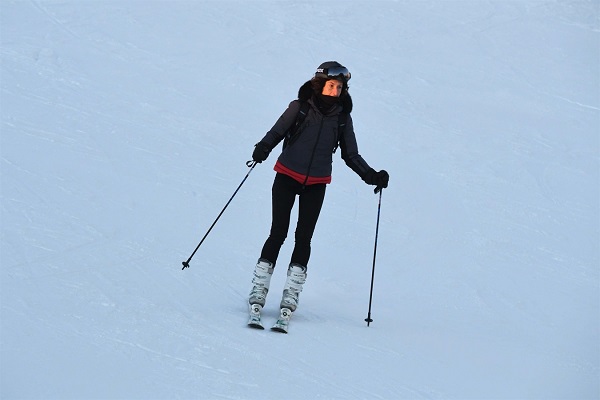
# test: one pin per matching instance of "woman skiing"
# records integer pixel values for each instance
(312, 126)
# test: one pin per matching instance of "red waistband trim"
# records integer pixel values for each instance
(312, 180)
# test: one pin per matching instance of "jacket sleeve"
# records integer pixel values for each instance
(277, 133)
(350, 153)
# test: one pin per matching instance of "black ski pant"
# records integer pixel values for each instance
(285, 190)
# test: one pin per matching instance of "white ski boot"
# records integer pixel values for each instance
(291, 294)
(293, 286)
(258, 295)
(261, 281)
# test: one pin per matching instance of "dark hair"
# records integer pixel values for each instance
(318, 84)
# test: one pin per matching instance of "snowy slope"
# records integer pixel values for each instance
(125, 127)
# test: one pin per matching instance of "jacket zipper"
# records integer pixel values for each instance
(312, 156)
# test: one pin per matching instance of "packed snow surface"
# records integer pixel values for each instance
(125, 128)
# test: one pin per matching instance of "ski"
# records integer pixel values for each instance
(254, 320)
(283, 321)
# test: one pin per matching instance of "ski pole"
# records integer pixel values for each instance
(379, 190)
(186, 264)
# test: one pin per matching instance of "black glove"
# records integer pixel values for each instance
(379, 179)
(261, 152)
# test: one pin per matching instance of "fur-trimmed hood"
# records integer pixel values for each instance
(306, 92)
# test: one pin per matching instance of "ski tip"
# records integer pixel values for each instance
(277, 329)
(256, 326)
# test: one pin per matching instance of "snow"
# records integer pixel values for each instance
(125, 129)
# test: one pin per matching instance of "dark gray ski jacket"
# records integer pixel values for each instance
(311, 154)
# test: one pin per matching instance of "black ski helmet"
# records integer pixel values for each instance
(333, 70)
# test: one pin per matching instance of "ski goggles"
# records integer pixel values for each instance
(333, 73)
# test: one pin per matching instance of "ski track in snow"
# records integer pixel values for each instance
(125, 128)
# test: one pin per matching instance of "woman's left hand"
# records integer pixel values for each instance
(380, 178)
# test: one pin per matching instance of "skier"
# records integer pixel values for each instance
(303, 169)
